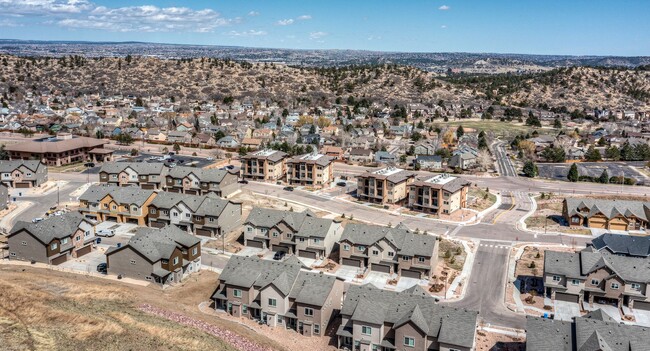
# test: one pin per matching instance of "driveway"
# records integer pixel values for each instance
(565, 311)
(377, 279)
(249, 251)
(405, 283)
(87, 263)
(642, 317)
(348, 273)
(611, 311)
(119, 228)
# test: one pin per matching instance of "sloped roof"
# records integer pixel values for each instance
(609, 208)
(623, 244)
(141, 168)
(54, 227)
(304, 224)
(580, 264)
(9, 166)
(123, 195)
(406, 242)
(158, 243)
(52, 144)
(205, 175)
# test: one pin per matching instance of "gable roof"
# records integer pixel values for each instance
(304, 224)
(123, 195)
(205, 175)
(10, 166)
(609, 208)
(406, 242)
(141, 168)
(158, 243)
(623, 244)
(54, 227)
(580, 264)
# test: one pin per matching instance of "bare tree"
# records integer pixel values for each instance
(484, 159)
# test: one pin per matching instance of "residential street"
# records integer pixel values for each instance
(504, 163)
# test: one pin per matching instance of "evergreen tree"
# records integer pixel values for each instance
(592, 155)
(604, 177)
(530, 169)
(573, 175)
(557, 124)
(460, 132)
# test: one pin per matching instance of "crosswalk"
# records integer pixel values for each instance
(496, 246)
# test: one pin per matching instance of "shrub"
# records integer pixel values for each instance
(531, 265)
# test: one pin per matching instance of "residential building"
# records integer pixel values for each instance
(264, 165)
(162, 255)
(62, 149)
(595, 331)
(623, 245)
(428, 162)
(389, 250)
(299, 233)
(314, 170)
(441, 193)
(464, 158)
(117, 204)
(606, 214)
(53, 240)
(144, 174)
(200, 181)
(205, 215)
(359, 154)
(333, 151)
(596, 276)
(385, 157)
(385, 186)
(23, 173)
(4, 196)
(281, 294)
(375, 319)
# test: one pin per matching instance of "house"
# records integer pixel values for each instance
(389, 250)
(200, 181)
(144, 174)
(333, 151)
(385, 157)
(464, 158)
(312, 139)
(359, 154)
(299, 233)
(428, 162)
(53, 240)
(619, 244)
(375, 319)
(313, 170)
(384, 186)
(162, 255)
(205, 215)
(251, 143)
(228, 142)
(179, 137)
(264, 165)
(118, 204)
(264, 134)
(593, 276)
(594, 331)
(279, 294)
(606, 214)
(425, 148)
(60, 150)
(441, 193)
(23, 173)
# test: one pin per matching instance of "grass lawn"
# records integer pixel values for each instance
(481, 199)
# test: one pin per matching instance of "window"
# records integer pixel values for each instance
(134, 209)
(575, 282)
(114, 207)
(391, 254)
(132, 261)
(165, 212)
(575, 219)
(289, 235)
(614, 286)
(346, 247)
(375, 252)
(147, 278)
(87, 233)
(236, 293)
(302, 240)
(309, 311)
(316, 328)
(275, 234)
(250, 229)
(244, 309)
(77, 238)
(23, 243)
(405, 258)
(273, 302)
(175, 261)
(636, 286)
(211, 219)
(361, 248)
(595, 282)
(152, 210)
(54, 246)
(409, 341)
(195, 251)
(13, 254)
(64, 241)
(187, 215)
(557, 278)
(264, 230)
(421, 259)
(174, 214)
(365, 330)
(316, 241)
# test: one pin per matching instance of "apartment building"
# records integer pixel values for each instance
(312, 170)
(23, 173)
(389, 250)
(279, 294)
(264, 165)
(199, 181)
(299, 233)
(53, 240)
(384, 186)
(62, 149)
(606, 214)
(204, 215)
(117, 204)
(442, 193)
(375, 319)
(162, 255)
(144, 174)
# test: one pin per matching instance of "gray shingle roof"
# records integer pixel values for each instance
(168, 200)
(205, 175)
(122, 195)
(580, 264)
(141, 168)
(55, 227)
(304, 224)
(159, 243)
(369, 304)
(406, 242)
(609, 208)
(9, 166)
(312, 288)
(623, 244)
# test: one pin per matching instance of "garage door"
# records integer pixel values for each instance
(597, 224)
(204, 232)
(173, 190)
(277, 248)
(307, 254)
(157, 224)
(148, 186)
(111, 218)
(84, 250)
(255, 243)
(410, 274)
(618, 226)
(59, 260)
(132, 220)
(566, 297)
(639, 305)
(191, 192)
(380, 268)
(351, 262)
(23, 185)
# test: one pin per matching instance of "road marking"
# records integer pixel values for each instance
(508, 210)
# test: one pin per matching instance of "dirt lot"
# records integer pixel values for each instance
(42, 310)
(480, 199)
(498, 342)
(452, 257)
(549, 215)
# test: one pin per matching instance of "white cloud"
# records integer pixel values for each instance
(9, 23)
(304, 17)
(247, 33)
(444, 26)
(43, 7)
(444, 8)
(253, 13)
(284, 22)
(317, 35)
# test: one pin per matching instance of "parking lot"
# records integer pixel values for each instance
(180, 160)
(559, 171)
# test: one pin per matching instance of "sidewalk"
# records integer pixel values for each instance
(7, 222)
(521, 224)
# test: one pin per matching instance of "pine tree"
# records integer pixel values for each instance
(530, 169)
(604, 177)
(573, 173)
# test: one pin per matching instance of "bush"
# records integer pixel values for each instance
(447, 254)
(531, 265)
(538, 255)
(194, 153)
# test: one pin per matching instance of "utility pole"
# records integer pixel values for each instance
(58, 197)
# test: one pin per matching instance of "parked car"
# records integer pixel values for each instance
(171, 153)
(243, 181)
(210, 158)
(37, 219)
(288, 188)
(102, 268)
(341, 183)
(106, 232)
(230, 167)
(279, 255)
(89, 164)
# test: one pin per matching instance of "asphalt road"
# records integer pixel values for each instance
(504, 163)
(42, 203)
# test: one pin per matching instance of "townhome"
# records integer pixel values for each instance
(389, 250)
(375, 319)
(117, 204)
(299, 233)
(314, 170)
(144, 174)
(264, 165)
(594, 276)
(594, 331)
(53, 240)
(199, 181)
(204, 215)
(622, 245)
(442, 193)
(23, 173)
(385, 186)
(162, 255)
(606, 214)
(279, 294)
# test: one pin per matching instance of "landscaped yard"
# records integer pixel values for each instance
(480, 199)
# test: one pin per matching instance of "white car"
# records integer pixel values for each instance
(36, 220)
(210, 158)
(106, 232)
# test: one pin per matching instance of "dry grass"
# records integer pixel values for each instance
(452, 254)
(483, 199)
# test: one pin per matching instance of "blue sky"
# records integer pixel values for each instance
(575, 27)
